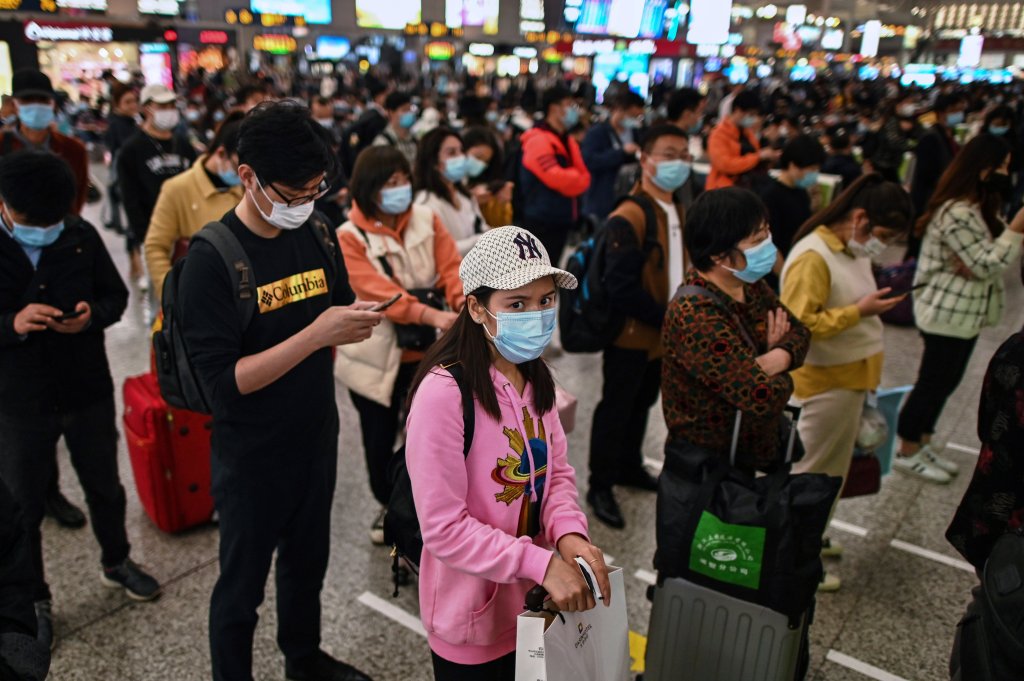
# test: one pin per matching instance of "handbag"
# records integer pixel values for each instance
(864, 476)
(754, 538)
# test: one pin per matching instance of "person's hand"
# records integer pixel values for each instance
(481, 193)
(1017, 224)
(565, 584)
(775, 362)
(573, 545)
(631, 148)
(769, 154)
(505, 193)
(441, 320)
(340, 325)
(876, 303)
(76, 325)
(34, 317)
(778, 326)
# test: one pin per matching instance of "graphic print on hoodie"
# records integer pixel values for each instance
(513, 474)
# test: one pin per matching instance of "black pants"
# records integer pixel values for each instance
(27, 462)
(942, 367)
(264, 508)
(553, 236)
(630, 389)
(379, 425)
(502, 669)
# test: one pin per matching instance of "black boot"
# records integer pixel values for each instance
(322, 667)
(607, 510)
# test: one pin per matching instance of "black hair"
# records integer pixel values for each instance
(426, 173)
(38, 185)
(465, 343)
(719, 220)
(553, 96)
(243, 93)
(659, 131)
(680, 101)
(283, 144)
(747, 100)
(477, 136)
(840, 140)
(944, 103)
(803, 151)
(886, 203)
(627, 100)
(321, 101)
(227, 137)
(1001, 113)
(396, 100)
(374, 167)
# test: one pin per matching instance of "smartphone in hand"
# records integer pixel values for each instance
(380, 307)
(897, 292)
(74, 314)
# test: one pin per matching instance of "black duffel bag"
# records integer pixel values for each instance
(420, 336)
(754, 538)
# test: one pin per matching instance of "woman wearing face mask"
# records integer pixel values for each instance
(828, 284)
(733, 350)
(892, 140)
(484, 162)
(966, 248)
(489, 528)
(392, 247)
(121, 126)
(1002, 122)
(441, 170)
(201, 194)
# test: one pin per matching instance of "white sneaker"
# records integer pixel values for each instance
(377, 529)
(830, 548)
(918, 466)
(932, 456)
(143, 283)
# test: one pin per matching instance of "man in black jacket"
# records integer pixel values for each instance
(59, 290)
(934, 153)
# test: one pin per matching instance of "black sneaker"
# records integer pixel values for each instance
(640, 479)
(44, 623)
(63, 511)
(136, 583)
(322, 667)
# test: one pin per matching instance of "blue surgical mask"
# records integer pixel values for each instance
(523, 336)
(396, 200)
(808, 180)
(748, 121)
(474, 166)
(36, 237)
(760, 261)
(36, 116)
(955, 118)
(671, 175)
(571, 117)
(455, 169)
(696, 127)
(492, 116)
(230, 178)
(998, 130)
(407, 120)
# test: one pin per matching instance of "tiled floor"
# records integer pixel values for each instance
(896, 612)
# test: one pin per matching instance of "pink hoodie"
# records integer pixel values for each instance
(478, 515)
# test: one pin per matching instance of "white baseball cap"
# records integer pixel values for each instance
(158, 94)
(507, 258)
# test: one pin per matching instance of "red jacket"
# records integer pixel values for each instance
(69, 149)
(554, 176)
(727, 163)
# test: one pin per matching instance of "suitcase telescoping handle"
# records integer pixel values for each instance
(535, 599)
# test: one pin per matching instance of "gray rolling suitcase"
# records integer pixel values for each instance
(697, 634)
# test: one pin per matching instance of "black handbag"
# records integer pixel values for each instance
(413, 336)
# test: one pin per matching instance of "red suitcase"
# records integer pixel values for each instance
(170, 454)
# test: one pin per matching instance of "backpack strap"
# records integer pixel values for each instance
(468, 405)
(322, 231)
(220, 236)
(650, 220)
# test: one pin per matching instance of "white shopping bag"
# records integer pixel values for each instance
(587, 646)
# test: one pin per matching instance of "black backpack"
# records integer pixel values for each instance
(990, 637)
(587, 321)
(179, 384)
(401, 525)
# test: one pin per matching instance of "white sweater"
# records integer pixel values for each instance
(464, 223)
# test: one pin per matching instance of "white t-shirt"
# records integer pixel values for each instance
(676, 264)
(462, 222)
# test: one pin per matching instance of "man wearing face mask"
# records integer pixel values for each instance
(685, 109)
(398, 133)
(59, 290)
(34, 100)
(552, 175)
(610, 150)
(786, 197)
(154, 155)
(733, 148)
(935, 151)
(275, 420)
(640, 280)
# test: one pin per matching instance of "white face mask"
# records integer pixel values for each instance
(281, 215)
(872, 248)
(166, 119)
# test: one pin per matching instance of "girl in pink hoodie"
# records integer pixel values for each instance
(490, 520)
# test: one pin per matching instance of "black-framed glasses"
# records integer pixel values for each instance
(321, 191)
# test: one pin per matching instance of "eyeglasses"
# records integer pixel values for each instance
(321, 191)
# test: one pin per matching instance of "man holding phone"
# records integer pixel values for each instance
(59, 290)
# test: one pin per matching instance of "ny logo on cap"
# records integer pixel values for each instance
(527, 246)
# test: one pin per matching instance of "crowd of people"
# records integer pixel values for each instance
(395, 229)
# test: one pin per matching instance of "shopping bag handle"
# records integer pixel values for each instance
(535, 599)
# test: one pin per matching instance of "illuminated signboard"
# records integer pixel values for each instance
(53, 6)
(313, 11)
(462, 13)
(397, 14)
(170, 8)
(274, 43)
(440, 51)
(213, 37)
(709, 22)
(36, 31)
(332, 47)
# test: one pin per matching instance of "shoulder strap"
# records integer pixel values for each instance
(322, 234)
(385, 265)
(650, 218)
(220, 236)
(701, 292)
(468, 406)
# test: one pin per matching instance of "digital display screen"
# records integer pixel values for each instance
(313, 11)
(709, 22)
(922, 75)
(803, 73)
(473, 13)
(332, 47)
(395, 14)
(169, 8)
